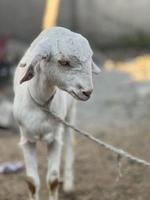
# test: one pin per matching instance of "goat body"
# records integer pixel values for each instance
(57, 67)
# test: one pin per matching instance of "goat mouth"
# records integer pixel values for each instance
(78, 97)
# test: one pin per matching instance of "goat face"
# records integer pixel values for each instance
(68, 64)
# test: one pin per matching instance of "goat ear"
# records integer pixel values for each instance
(28, 74)
(95, 68)
(34, 65)
(36, 53)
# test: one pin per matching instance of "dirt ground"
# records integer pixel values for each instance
(96, 170)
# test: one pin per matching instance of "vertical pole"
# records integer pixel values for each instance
(51, 13)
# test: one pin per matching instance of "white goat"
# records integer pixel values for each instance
(58, 63)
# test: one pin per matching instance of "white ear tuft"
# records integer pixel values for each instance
(95, 68)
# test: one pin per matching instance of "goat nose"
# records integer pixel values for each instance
(87, 93)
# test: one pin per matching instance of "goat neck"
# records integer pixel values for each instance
(40, 90)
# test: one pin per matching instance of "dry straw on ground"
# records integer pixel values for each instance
(138, 68)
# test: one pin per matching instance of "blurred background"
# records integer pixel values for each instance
(119, 109)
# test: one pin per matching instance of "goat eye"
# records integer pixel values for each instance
(64, 62)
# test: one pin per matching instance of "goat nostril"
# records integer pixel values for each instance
(87, 93)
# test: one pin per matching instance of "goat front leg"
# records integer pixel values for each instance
(33, 181)
(68, 181)
(53, 174)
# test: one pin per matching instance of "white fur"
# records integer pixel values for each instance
(51, 78)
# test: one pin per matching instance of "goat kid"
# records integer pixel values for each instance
(57, 66)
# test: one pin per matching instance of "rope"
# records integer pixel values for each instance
(120, 152)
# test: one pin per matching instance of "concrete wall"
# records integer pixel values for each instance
(21, 18)
(106, 21)
(103, 21)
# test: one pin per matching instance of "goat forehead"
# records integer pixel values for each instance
(67, 42)
(75, 47)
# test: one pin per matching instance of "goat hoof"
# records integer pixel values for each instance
(68, 188)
